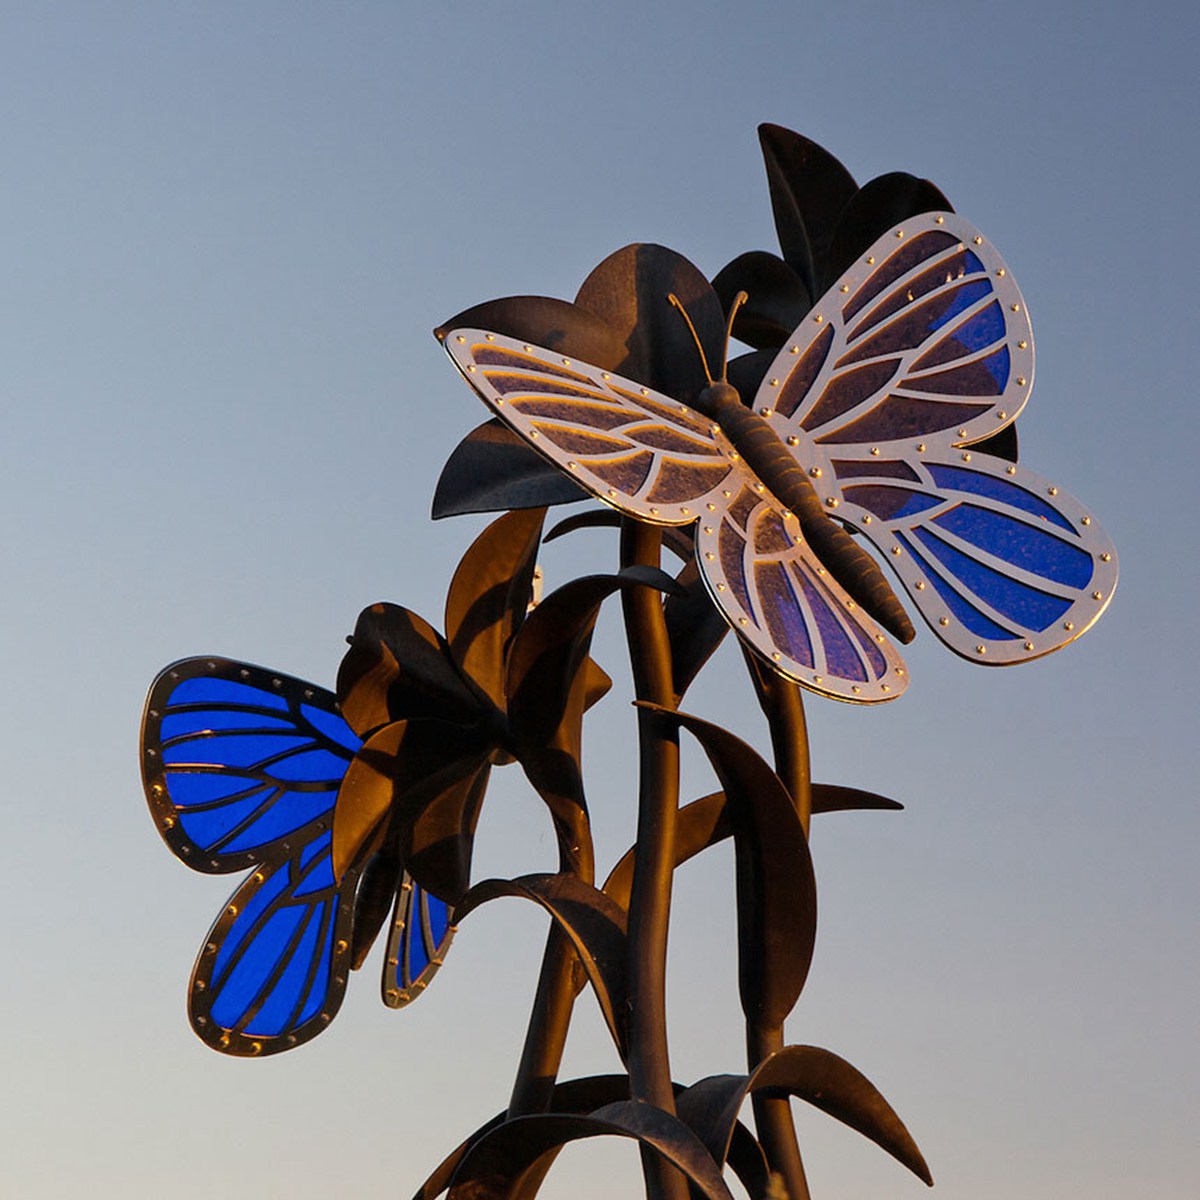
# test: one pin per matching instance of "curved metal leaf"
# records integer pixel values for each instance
(809, 1073)
(488, 597)
(835, 1087)
(492, 470)
(373, 901)
(493, 1167)
(695, 628)
(776, 889)
(594, 923)
(832, 797)
(676, 538)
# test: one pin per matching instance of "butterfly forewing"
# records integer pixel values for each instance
(421, 934)
(924, 340)
(920, 350)
(635, 449)
(238, 763)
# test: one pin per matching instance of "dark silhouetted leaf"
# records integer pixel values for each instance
(776, 299)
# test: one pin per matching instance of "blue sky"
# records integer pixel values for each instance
(229, 229)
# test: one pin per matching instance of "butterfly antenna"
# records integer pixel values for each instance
(674, 299)
(738, 301)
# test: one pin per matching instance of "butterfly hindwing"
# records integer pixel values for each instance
(272, 971)
(239, 762)
(777, 595)
(641, 452)
(420, 935)
(1003, 565)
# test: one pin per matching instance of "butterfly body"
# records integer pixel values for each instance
(868, 415)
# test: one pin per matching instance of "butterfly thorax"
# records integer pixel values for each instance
(776, 466)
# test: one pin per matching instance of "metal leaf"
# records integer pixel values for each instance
(832, 797)
(492, 470)
(676, 538)
(594, 923)
(488, 597)
(824, 1080)
(809, 188)
(776, 889)
(373, 901)
(835, 1087)
(398, 667)
(493, 1167)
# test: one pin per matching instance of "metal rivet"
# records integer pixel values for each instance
(491, 337)
(845, 287)
(1052, 491)
(897, 551)
(711, 507)
(1068, 625)
(776, 656)
(794, 350)
(460, 339)
(939, 220)
(875, 451)
(1000, 272)
(645, 391)
(880, 638)
(199, 985)
(566, 362)
(943, 620)
(962, 433)
(654, 512)
(815, 472)
(818, 679)
(1014, 308)
(1020, 381)
(866, 520)
(743, 621)
(978, 240)
(528, 349)
(1001, 415)
(1097, 595)
(856, 689)
(793, 440)
(966, 458)
(1085, 520)
(573, 466)
(1022, 344)
(471, 369)
(726, 493)
(758, 487)
(685, 512)
(708, 554)
(612, 491)
(831, 501)
(1106, 558)
(720, 587)
(981, 649)
(871, 260)
(920, 585)
(1028, 645)
(920, 447)
(1010, 470)
(818, 318)
(884, 688)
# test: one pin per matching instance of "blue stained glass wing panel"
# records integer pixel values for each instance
(240, 763)
(420, 936)
(272, 971)
(1004, 565)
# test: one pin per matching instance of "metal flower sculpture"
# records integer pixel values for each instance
(891, 353)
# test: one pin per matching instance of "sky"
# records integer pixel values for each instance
(227, 232)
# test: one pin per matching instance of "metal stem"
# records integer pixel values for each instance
(783, 707)
(654, 852)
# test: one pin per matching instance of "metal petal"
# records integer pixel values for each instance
(628, 291)
(809, 188)
(373, 902)
(571, 329)
(398, 667)
(777, 299)
(489, 595)
(492, 470)
(877, 207)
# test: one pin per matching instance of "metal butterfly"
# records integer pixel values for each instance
(242, 768)
(865, 421)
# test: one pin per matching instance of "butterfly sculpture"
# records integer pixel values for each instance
(242, 768)
(865, 421)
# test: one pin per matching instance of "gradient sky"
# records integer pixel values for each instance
(228, 229)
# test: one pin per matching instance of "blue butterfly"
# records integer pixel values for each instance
(242, 768)
(867, 415)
